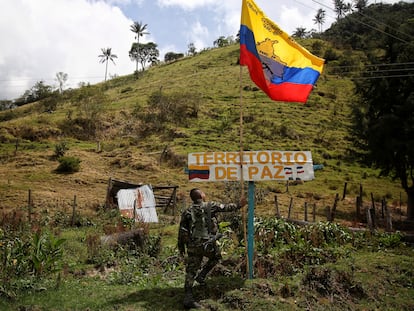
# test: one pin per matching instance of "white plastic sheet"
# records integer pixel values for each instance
(138, 203)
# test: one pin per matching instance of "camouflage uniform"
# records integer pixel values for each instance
(194, 239)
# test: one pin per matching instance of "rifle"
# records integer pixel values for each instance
(209, 244)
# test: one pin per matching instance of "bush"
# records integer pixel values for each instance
(60, 149)
(68, 165)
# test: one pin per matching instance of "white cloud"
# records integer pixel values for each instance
(186, 4)
(41, 38)
(198, 33)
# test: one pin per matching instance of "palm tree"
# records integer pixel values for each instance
(320, 19)
(139, 29)
(105, 57)
(361, 5)
(300, 32)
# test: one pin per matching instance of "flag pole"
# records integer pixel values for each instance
(241, 173)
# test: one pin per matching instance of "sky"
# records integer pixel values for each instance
(40, 38)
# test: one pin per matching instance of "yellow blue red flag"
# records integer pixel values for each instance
(278, 65)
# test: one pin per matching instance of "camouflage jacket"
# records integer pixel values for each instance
(186, 234)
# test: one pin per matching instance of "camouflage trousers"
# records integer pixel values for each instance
(196, 253)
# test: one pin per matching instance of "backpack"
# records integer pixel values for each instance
(200, 225)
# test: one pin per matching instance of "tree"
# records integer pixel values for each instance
(360, 5)
(341, 8)
(107, 56)
(139, 29)
(223, 41)
(300, 32)
(191, 49)
(144, 53)
(39, 91)
(171, 56)
(61, 77)
(320, 18)
(384, 117)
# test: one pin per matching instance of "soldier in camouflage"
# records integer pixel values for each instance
(198, 234)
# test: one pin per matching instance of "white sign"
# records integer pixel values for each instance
(255, 165)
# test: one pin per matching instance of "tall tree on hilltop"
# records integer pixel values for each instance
(360, 5)
(300, 32)
(139, 29)
(384, 117)
(341, 8)
(61, 78)
(144, 53)
(320, 18)
(105, 57)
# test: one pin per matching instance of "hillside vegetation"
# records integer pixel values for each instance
(120, 130)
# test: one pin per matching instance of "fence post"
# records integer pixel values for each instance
(29, 206)
(174, 201)
(328, 213)
(290, 207)
(358, 208)
(314, 212)
(73, 210)
(334, 207)
(344, 193)
(306, 211)
(277, 207)
(373, 211)
(369, 220)
(388, 219)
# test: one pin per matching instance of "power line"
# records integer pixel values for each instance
(386, 25)
(365, 24)
(382, 77)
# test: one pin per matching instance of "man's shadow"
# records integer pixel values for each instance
(171, 298)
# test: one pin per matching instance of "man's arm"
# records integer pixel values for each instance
(230, 207)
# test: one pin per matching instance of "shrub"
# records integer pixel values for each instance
(60, 149)
(68, 165)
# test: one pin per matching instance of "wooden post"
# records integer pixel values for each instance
(314, 212)
(383, 203)
(290, 207)
(328, 213)
(73, 210)
(306, 211)
(373, 211)
(29, 206)
(287, 186)
(277, 207)
(360, 193)
(334, 207)
(358, 208)
(369, 220)
(174, 201)
(388, 219)
(344, 193)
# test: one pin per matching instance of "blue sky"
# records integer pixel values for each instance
(43, 37)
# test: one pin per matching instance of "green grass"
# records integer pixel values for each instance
(369, 276)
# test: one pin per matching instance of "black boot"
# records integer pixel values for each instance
(189, 302)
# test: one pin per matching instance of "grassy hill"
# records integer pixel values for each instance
(141, 130)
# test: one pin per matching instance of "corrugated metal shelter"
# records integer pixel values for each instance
(165, 196)
(138, 203)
